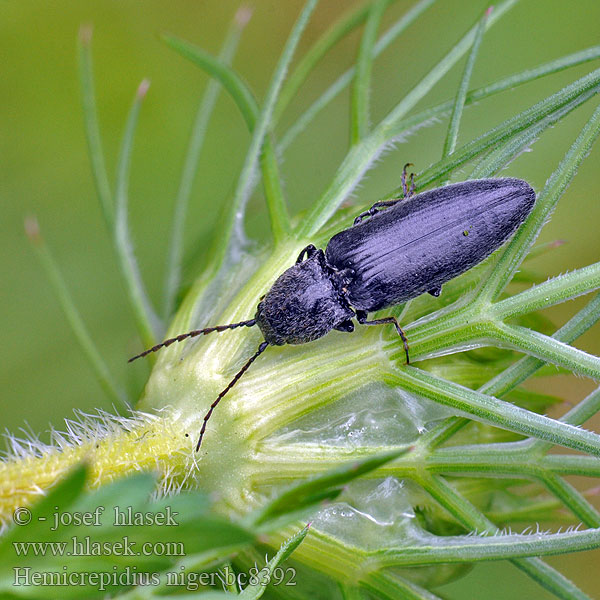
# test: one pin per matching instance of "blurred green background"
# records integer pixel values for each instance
(45, 169)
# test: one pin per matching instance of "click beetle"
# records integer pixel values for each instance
(414, 245)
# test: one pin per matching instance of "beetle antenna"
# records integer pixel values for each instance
(194, 333)
(207, 416)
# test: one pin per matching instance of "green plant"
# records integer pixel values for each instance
(268, 436)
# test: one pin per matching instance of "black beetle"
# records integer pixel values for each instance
(415, 246)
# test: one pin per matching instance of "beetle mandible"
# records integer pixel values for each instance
(388, 256)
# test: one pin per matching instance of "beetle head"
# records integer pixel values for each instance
(303, 305)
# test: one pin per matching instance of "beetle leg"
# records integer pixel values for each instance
(345, 326)
(375, 209)
(404, 188)
(408, 192)
(361, 317)
(307, 252)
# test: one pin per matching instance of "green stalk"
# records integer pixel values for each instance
(570, 497)
(342, 27)
(361, 156)
(115, 211)
(260, 133)
(494, 411)
(389, 586)
(92, 129)
(148, 324)
(199, 129)
(511, 459)
(461, 94)
(82, 334)
(249, 109)
(518, 372)
(554, 291)
(359, 104)
(547, 348)
(513, 254)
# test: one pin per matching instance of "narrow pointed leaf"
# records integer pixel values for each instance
(199, 129)
(148, 324)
